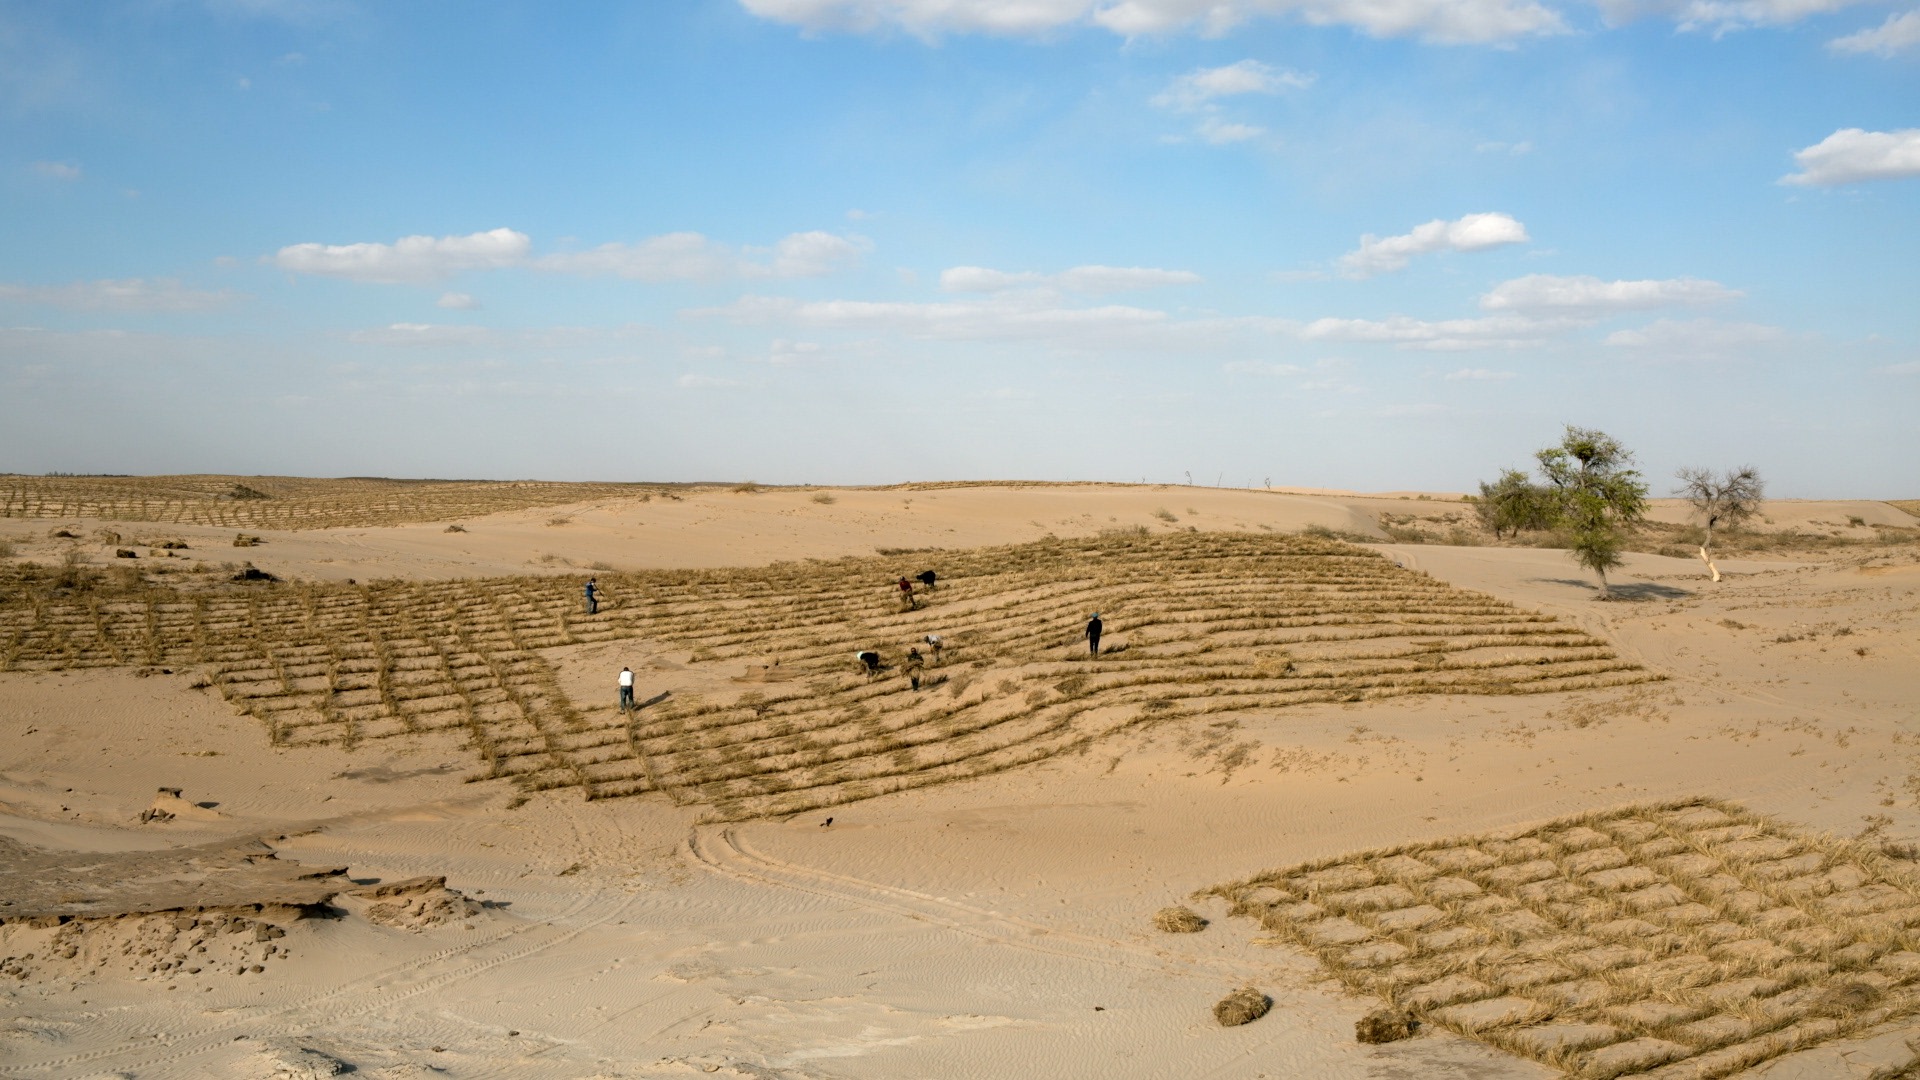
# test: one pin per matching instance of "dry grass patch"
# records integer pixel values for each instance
(1686, 939)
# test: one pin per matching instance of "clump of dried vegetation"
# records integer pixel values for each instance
(1692, 935)
(1179, 919)
(1203, 625)
(1243, 1006)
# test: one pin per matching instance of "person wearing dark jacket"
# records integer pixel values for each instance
(1093, 635)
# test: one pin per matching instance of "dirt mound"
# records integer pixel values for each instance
(415, 904)
(224, 909)
(50, 888)
(208, 943)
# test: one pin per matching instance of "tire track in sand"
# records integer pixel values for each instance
(721, 850)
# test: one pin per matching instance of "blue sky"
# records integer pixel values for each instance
(1349, 243)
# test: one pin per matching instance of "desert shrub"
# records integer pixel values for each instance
(73, 573)
(1243, 1006)
(455, 528)
(6, 548)
(1179, 919)
(244, 540)
(1165, 515)
(1513, 504)
(824, 498)
(1321, 532)
(242, 491)
(556, 522)
(1401, 534)
(1384, 1026)
(746, 488)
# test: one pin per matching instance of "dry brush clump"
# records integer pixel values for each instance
(279, 502)
(1199, 624)
(1685, 939)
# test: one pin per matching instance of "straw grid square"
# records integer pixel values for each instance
(1686, 940)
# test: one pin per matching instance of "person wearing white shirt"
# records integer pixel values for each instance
(626, 689)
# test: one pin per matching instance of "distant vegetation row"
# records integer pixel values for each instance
(281, 502)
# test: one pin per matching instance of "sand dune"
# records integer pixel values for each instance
(996, 926)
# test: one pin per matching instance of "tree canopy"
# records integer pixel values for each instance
(1597, 496)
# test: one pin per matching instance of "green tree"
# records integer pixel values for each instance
(1513, 503)
(1597, 497)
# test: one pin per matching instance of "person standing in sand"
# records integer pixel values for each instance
(626, 689)
(1093, 635)
(935, 642)
(593, 597)
(906, 593)
(915, 662)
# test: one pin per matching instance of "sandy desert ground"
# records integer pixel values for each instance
(1689, 854)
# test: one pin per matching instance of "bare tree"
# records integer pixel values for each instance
(1727, 498)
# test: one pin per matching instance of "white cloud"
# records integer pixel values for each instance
(1434, 20)
(1261, 367)
(1517, 149)
(682, 256)
(1899, 33)
(1021, 315)
(689, 256)
(1851, 155)
(411, 259)
(128, 294)
(1196, 88)
(695, 381)
(781, 352)
(425, 334)
(808, 254)
(1474, 232)
(457, 301)
(1590, 296)
(56, 170)
(1224, 132)
(1506, 331)
(1721, 16)
(1478, 374)
(1911, 367)
(1080, 279)
(1696, 338)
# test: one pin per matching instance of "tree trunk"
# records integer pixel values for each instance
(1602, 575)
